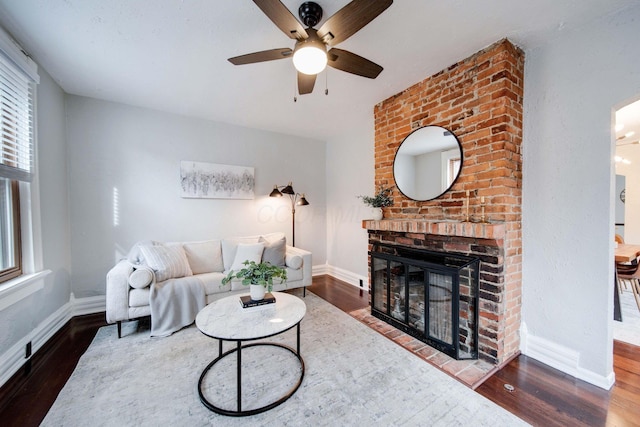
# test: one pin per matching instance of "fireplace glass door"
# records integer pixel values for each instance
(431, 296)
(440, 307)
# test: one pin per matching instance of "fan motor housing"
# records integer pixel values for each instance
(310, 13)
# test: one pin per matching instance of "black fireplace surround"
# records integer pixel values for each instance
(432, 296)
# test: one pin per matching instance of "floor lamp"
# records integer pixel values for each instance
(296, 200)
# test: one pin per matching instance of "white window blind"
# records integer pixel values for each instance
(16, 122)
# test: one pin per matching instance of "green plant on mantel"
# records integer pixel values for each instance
(382, 199)
(257, 274)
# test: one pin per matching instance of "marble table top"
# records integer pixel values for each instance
(226, 319)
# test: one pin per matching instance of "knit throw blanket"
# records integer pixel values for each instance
(175, 304)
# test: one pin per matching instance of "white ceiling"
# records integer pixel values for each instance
(170, 55)
(628, 118)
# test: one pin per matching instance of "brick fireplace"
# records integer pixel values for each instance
(479, 99)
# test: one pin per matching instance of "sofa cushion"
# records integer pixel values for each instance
(230, 246)
(168, 262)
(141, 278)
(204, 257)
(274, 250)
(139, 297)
(247, 252)
(212, 283)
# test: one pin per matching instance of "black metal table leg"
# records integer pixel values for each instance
(239, 373)
(239, 412)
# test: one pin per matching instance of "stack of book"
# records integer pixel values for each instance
(246, 301)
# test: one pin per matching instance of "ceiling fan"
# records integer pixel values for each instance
(314, 48)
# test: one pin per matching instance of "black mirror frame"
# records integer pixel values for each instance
(393, 165)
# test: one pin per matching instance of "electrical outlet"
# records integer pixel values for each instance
(27, 350)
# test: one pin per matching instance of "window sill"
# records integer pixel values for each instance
(21, 287)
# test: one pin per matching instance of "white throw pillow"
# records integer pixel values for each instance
(141, 278)
(274, 251)
(247, 252)
(135, 255)
(168, 262)
(230, 246)
(204, 257)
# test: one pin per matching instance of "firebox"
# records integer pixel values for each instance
(432, 296)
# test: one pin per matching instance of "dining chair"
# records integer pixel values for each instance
(633, 278)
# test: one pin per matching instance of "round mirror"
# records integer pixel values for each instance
(427, 163)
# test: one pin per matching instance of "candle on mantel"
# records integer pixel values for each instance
(467, 208)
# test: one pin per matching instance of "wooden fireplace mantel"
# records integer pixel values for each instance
(444, 228)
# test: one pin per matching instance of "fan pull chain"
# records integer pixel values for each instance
(295, 88)
(326, 82)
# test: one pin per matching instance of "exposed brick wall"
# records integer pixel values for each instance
(480, 100)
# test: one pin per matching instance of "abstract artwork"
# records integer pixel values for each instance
(214, 181)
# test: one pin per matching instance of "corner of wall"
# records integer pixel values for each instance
(562, 358)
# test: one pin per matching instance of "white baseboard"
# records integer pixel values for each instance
(562, 358)
(89, 305)
(14, 358)
(341, 274)
(319, 270)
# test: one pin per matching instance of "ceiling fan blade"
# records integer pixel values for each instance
(351, 63)
(265, 55)
(351, 18)
(283, 18)
(306, 83)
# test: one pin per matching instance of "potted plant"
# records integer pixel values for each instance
(381, 200)
(258, 276)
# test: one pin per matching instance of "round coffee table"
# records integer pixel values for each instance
(226, 320)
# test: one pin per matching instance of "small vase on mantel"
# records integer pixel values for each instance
(377, 214)
(257, 292)
(383, 198)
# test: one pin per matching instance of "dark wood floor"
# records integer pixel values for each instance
(543, 396)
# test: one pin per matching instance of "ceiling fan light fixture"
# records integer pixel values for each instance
(310, 57)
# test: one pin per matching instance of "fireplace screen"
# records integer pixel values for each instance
(432, 296)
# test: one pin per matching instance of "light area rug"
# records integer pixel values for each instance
(354, 377)
(629, 329)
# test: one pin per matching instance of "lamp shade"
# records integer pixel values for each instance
(288, 189)
(275, 192)
(302, 201)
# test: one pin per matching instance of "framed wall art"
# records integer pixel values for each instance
(214, 181)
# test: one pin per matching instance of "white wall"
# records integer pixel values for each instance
(18, 321)
(138, 152)
(350, 173)
(572, 86)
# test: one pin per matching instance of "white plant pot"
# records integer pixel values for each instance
(257, 292)
(377, 213)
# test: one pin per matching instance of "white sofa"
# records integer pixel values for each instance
(150, 263)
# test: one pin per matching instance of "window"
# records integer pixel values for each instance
(450, 163)
(10, 247)
(17, 84)
(454, 169)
